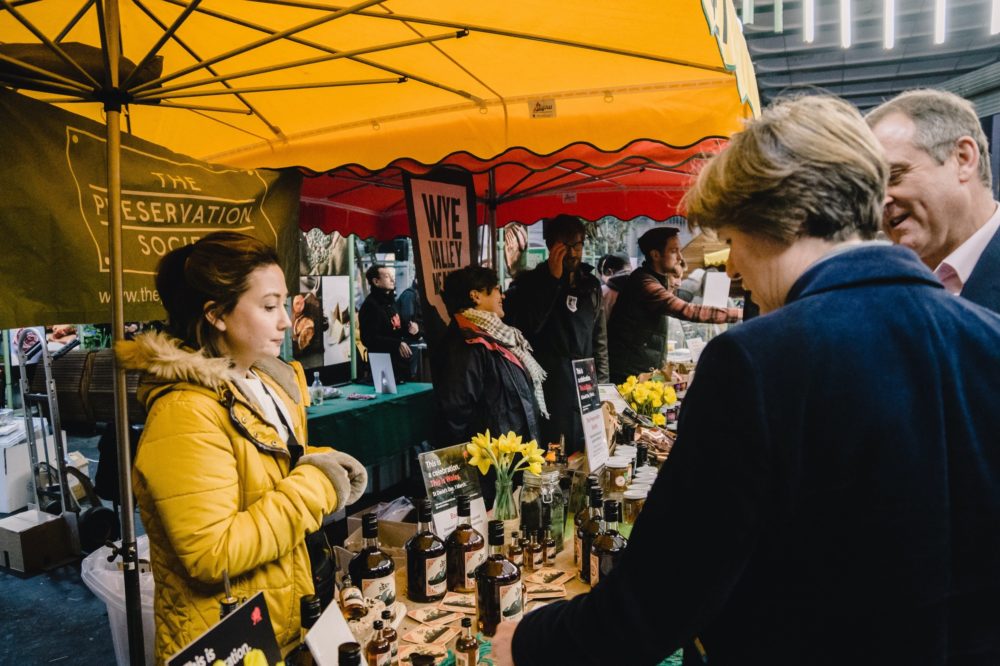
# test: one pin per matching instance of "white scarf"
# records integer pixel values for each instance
(514, 340)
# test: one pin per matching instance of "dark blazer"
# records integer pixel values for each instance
(833, 497)
(983, 286)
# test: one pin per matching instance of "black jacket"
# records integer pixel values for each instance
(983, 286)
(479, 384)
(832, 497)
(563, 323)
(382, 328)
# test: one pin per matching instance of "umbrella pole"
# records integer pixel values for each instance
(129, 551)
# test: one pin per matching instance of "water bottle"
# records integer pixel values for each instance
(316, 390)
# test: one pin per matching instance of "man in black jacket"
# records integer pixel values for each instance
(382, 327)
(558, 306)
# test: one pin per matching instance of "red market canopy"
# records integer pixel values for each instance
(645, 178)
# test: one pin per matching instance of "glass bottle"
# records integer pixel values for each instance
(541, 500)
(589, 528)
(465, 550)
(352, 602)
(310, 609)
(378, 652)
(580, 516)
(549, 545)
(534, 553)
(515, 553)
(389, 634)
(467, 646)
(316, 390)
(349, 654)
(372, 568)
(608, 545)
(499, 593)
(426, 570)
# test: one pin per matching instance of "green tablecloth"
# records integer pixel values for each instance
(374, 430)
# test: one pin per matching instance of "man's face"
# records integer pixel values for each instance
(922, 195)
(574, 251)
(666, 260)
(386, 279)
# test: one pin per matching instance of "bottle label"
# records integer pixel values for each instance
(472, 561)
(394, 652)
(595, 569)
(517, 556)
(550, 553)
(576, 549)
(539, 557)
(383, 588)
(463, 659)
(351, 596)
(511, 602)
(437, 576)
(381, 660)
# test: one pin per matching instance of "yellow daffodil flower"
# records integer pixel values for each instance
(659, 419)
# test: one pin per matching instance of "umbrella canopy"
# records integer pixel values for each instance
(274, 83)
(645, 178)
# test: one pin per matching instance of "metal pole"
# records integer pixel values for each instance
(129, 552)
(351, 241)
(491, 217)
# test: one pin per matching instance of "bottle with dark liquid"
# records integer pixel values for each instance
(389, 633)
(548, 544)
(534, 554)
(352, 602)
(580, 516)
(426, 570)
(349, 654)
(372, 569)
(378, 652)
(467, 646)
(608, 545)
(310, 608)
(515, 553)
(465, 550)
(589, 528)
(499, 593)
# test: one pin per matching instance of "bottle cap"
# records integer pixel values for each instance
(466, 622)
(349, 653)
(387, 614)
(596, 494)
(612, 511)
(514, 535)
(424, 510)
(369, 526)
(495, 530)
(311, 608)
(377, 625)
(463, 506)
(227, 606)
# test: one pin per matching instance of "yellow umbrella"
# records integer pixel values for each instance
(300, 83)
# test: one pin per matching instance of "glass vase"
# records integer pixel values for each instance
(504, 507)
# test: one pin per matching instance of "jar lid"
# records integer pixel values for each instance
(547, 476)
(679, 356)
(616, 463)
(644, 487)
(633, 494)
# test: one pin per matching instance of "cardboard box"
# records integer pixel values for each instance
(33, 540)
(14, 467)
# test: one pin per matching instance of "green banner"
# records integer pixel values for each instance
(54, 215)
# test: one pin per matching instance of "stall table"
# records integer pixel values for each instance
(376, 432)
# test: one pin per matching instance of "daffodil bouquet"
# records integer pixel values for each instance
(508, 455)
(648, 397)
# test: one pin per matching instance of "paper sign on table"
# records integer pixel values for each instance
(716, 292)
(589, 402)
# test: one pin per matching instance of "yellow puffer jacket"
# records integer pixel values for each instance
(215, 491)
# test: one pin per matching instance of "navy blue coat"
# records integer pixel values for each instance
(983, 286)
(833, 497)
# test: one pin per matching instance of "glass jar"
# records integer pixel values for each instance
(634, 501)
(542, 503)
(616, 477)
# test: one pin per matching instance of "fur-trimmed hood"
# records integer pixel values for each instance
(165, 362)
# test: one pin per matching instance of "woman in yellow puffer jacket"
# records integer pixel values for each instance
(222, 482)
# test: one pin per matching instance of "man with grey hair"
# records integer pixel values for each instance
(939, 200)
